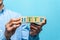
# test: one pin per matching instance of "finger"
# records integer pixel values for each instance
(33, 27)
(14, 20)
(8, 25)
(33, 32)
(36, 27)
(39, 27)
(35, 24)
(43, 23)
(14, 27)
(14, 23)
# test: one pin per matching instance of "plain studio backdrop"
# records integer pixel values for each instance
(48, 8)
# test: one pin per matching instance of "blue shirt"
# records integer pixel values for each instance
(21, 33)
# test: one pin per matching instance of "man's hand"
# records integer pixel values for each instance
(36, 28)
(11, 27)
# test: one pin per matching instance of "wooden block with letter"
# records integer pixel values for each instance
(34, 19)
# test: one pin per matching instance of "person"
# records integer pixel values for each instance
(12, 29)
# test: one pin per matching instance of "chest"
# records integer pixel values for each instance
(3, 21)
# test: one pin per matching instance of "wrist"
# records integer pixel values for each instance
(8, 39)
(7, 36)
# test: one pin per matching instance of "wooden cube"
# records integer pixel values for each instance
(29, 19)
(35, 19)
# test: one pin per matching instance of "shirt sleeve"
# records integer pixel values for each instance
(25, 31)
(2, 36)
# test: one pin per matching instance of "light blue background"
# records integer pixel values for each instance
(48, 8)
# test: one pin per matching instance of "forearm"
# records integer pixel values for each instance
(7, 35)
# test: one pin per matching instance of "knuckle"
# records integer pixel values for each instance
(11, 20)
(8, 29)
